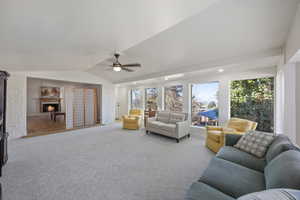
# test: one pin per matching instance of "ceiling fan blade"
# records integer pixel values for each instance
(128, 70)
(132, 65)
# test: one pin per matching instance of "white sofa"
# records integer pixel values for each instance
(170, 124)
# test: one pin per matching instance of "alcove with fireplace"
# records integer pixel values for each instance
(54, 106)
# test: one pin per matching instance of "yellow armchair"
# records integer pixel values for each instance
(135, 112)
(133, 120)
(215, 138)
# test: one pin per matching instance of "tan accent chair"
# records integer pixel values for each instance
(215, 138)
(133, 120)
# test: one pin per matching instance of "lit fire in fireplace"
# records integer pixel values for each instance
(50, 108)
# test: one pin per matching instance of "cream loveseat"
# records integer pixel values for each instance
(170, 124)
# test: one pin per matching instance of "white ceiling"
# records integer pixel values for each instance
(77, 34)
(167, 37)
(225, 32)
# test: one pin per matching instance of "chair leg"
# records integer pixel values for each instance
(177, 140)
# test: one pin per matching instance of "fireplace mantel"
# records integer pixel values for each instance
(51, 100)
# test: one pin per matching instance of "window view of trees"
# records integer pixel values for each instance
(205, 104)
(254, 100)
(136, 99)
(174, 98)
(151, 98)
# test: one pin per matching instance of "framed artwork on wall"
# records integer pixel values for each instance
(50, 92)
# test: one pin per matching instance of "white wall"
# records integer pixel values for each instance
(16, 117)
(293, 41)
(289, 115)
(16, 105)
(298, 103)
(122, 100)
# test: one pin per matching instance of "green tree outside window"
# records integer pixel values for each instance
(254, 100)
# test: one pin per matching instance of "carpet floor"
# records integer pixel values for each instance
(102, 163)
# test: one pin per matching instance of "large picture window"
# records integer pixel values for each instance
(136, 99)
(254, 100)
(174, 98)
(151, 98)
(205, 104)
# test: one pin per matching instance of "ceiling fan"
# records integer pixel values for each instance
(117, 66)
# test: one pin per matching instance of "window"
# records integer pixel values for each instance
(254, 100)
(174, 98)
(151, 98)
(136, 99)
(205, 104)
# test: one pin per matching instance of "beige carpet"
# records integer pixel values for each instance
(102, 163)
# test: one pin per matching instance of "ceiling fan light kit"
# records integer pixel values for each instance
(117, 69)
(117, 66)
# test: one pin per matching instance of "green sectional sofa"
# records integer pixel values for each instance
(232, 173)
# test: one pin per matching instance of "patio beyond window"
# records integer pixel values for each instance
(205, 104)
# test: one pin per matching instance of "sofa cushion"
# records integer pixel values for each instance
(242, 158)
(214, 135)
(232, 179)
(176, 117)
(168, 127)
(202, 191)
(284, 171)
(232, 139)
(255, 142)
(154, 124)
(163, 116)
(161, 126)
(274, 194)
(280, 144)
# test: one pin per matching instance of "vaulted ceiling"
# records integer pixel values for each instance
(77, 34)
(169, 36)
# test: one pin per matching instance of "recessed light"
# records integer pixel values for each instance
(220, 70)
(174, 76)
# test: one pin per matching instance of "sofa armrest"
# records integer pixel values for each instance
(151, 119)
(182, 128)
(231, 139)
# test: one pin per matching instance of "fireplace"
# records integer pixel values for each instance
(48, 107)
